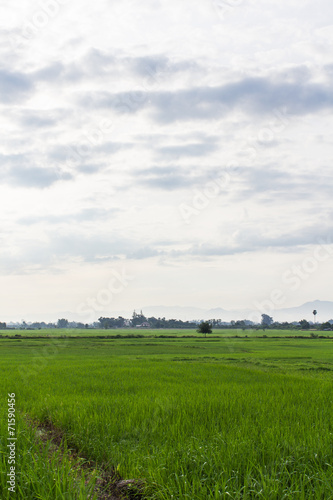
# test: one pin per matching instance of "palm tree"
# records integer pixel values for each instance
(314, 312)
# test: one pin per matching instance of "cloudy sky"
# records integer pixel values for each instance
(164, 153)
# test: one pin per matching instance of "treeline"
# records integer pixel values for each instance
(139, 320)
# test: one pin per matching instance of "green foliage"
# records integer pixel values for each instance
(62, 323)
(42, 471)
(305, 325)
(205, 327)
(195, 418)
(266, 320)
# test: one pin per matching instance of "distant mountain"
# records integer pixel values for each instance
(196, 313)
(304, 311)
(324, 309)
(176, 312)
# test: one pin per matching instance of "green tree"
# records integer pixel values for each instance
(62, 323)
(266, 320)
(138, 319)
(205, 327)
(305, 325)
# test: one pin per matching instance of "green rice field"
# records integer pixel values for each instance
(186, 417)
(148, 332)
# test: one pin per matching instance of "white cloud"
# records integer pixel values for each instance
(116, 114)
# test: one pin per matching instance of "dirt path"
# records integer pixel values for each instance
(109, 485)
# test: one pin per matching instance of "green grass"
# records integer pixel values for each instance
(42, 471)
(148, 332)
(194, 418)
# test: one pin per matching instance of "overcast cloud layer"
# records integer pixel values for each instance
(187, 144)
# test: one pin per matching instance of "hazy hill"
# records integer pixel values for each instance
(304, 311)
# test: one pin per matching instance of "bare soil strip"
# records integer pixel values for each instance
(109, 485)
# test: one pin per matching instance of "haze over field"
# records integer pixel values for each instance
(165, 153)
(292, 314)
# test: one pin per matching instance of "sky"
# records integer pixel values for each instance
(164, 153)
